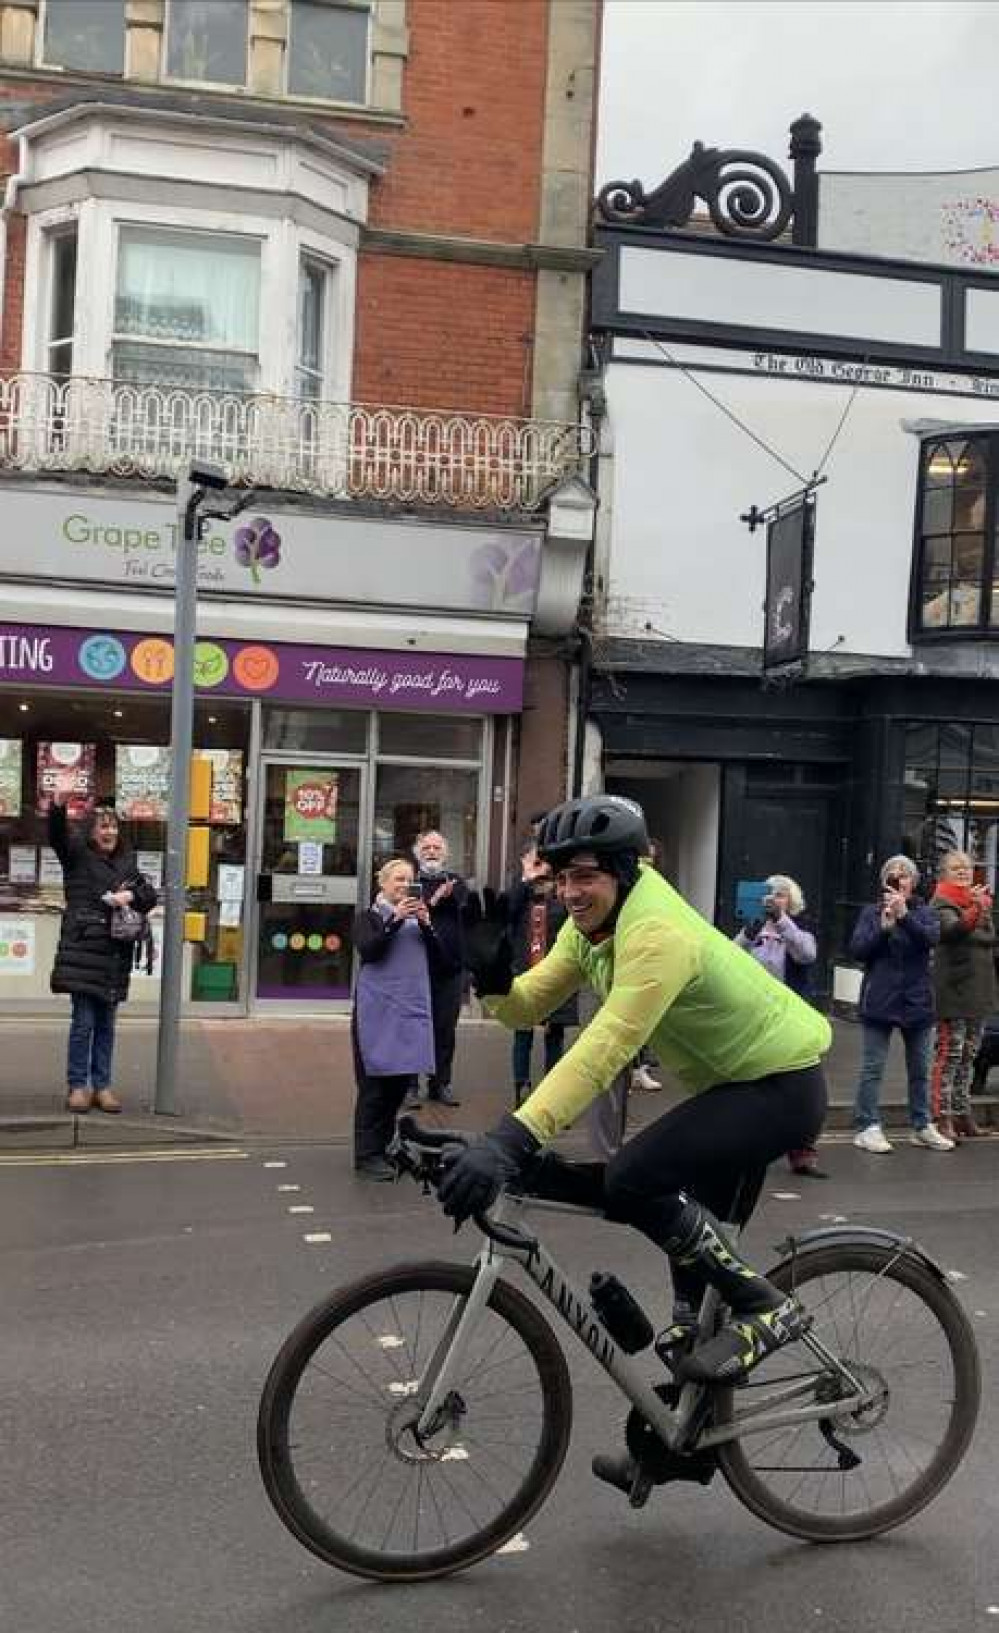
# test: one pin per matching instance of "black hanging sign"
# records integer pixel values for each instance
(787, 610)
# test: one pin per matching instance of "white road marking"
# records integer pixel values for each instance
(982, 1313)
(289, 1187)
(280, 1163)
(301, 1207)
(455, 1454)
(955, 1275)
(87, 1159)
(409, 1387)
(785, 1196)
(834, 1218)
(517, 1545)
(318, 1236)
(391, 1340)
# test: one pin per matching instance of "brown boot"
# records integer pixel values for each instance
(107, 1100)
(947, 1126)
(79, 1101)
(967, 1129)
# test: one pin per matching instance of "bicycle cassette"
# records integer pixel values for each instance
(656, 1461)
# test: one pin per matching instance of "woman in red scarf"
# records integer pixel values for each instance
(964, 978)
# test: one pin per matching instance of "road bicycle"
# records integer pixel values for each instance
(415, 1421)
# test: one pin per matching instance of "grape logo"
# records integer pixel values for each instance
(102, 657)
(257, 545)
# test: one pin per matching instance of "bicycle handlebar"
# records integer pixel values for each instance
(419, 1153)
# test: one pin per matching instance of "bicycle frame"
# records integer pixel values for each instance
(681, 1429)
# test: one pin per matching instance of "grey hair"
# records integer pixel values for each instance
(794, 892)
(894, 864)
(418, 841)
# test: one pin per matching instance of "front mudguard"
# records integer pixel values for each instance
(857, 1236)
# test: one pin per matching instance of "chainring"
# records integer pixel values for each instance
(656, 1461)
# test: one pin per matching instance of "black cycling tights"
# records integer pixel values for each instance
(715, 1147)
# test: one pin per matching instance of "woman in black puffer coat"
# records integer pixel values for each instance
(99, 872)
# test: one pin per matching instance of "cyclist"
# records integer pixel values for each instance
(745, 1046)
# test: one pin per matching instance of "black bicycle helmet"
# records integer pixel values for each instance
(602, 823)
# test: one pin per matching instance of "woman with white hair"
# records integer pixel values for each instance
(782, 942)
(894, 940)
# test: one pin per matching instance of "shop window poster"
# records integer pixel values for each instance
(53, 760)
(310, 803)
(10, 776)
(17, 947)
(141, 782)
(226, 799)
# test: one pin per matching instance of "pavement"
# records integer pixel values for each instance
(275, 1081)
(146, 1293)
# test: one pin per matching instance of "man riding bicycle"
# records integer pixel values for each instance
(746, 1047)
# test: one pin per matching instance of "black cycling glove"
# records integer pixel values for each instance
(475, 1174)
(488, 948)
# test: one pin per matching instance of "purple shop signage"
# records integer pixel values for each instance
(433, 682)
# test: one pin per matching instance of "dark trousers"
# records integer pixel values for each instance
(523, 1042)
(445, 999)
(376, 1108)
(715, 1147)
(91, 1042)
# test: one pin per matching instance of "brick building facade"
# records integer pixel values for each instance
(341, 247)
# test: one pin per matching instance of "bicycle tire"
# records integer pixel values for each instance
(275, 1454)
(912, 1274)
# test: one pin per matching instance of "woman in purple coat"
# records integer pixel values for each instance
(392, 1024)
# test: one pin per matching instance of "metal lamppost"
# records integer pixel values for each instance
(191, 493)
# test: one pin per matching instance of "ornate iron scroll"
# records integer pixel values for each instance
(747, 195)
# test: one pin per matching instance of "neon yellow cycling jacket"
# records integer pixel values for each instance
(710, 1012)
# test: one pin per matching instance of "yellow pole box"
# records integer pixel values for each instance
(195, 926)
(201, 789)
(197, 858)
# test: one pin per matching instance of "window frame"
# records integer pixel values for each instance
(328, 270)
(42, 60)
(56, 236)
(229, 87)
(987, 443)
(365, 6)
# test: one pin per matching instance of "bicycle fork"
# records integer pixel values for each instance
(445, 1363)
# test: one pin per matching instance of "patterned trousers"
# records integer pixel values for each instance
(955, 1047)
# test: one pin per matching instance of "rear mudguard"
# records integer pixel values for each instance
(858, 1236)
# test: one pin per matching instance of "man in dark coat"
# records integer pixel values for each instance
(445, 894)
(893, 939)
(99, 874)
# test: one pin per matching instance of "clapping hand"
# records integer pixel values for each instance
(488, 950)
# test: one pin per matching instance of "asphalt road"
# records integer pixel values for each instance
(142, 1302)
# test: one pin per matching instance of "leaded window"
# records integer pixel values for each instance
(956, 556)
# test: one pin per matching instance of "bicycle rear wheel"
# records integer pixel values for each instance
(337, 1437)
(905, 1337)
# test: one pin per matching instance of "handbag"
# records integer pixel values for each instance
(127, 924)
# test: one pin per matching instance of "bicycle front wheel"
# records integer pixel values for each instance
(338, 1442)
(904, 1337)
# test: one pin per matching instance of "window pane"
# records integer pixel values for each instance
(177, 366)
(63, 285)
(329, 51)
(985, 761)
(966, 578)
(188, 286)
(206, 39)
(412, 798)
(86, 34)
(936, 583)
(335, 731)
(310, 315)
(938, 509)
(436, 735)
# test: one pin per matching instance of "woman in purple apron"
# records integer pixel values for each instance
(392, 1025)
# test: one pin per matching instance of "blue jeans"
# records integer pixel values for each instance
(91, 1042)
(522, 1045)
(918, 1042)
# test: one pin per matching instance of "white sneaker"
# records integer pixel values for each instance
(931, 1137)
(872, 1138)
(642, 1079)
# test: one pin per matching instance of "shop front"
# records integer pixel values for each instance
(319, 763)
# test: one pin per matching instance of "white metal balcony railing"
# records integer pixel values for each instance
(337, 450)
